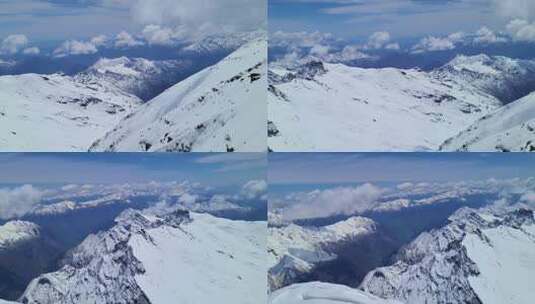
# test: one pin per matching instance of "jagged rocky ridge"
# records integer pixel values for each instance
(474, 259)
(157, 256)
(102, 267)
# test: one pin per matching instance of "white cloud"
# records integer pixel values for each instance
(378, 40)
(521, 30)
(351, 52)
(188, 199)
(18, 201)
(254, 189)
(294, 40)
(522, 9)
(198, 18)
(13, 43)
(303, 47)
(124, 40)
(486, 36)
(432, 44)
(75, 47)
(31, 51)
(405, 186)
(69, 187)
(319, 50)
(99, 40)
(325, 203)
(155, 34)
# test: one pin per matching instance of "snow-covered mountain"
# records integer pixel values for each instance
(57, 112)
(505, 78)
(333, 107)
(510, 128)
(56, 208)
(224, 42)
(221, 108)
(294, 250)
(137, 76)
(14, 232)
(324, 293)
(26, 250)
(153, 257)
(482, 256)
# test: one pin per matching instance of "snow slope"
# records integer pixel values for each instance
(510, 128)
(221, 108)
(158, 258)
(50, 113)
(324, 293)
(332, 107)
(211, 260)
(294, 250)
(479, 257)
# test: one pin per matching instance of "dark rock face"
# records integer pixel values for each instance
(311, 70)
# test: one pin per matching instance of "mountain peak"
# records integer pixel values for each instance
(123, 66)
(311, 69)
(470, 260)
(17, 231)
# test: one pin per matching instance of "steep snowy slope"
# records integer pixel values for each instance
(137, 76)
(161, 258)
(294, 250)
(321, 106)
(221, 108)
(57, 113)
(479, 257)
(324, 293)
(333, 107)
(510, 128)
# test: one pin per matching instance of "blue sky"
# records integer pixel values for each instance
(208, 169)
(44, 21)
(95, 24)
(401, 18)
(345, 168)
(349, 31)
